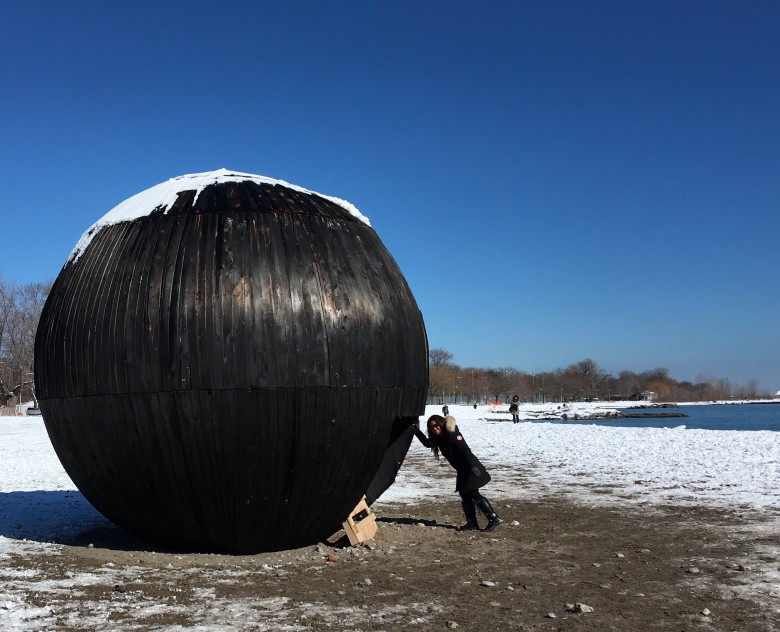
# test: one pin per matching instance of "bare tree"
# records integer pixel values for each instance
(6, 307)
(584, 379)
(20, 311)
(436, 384)
(6, 312)
(440, 357)
(499, 382)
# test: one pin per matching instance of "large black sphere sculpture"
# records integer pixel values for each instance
(224, 361)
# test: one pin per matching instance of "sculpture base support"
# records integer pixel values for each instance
(361, 524)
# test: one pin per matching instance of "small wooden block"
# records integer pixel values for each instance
(361, 524)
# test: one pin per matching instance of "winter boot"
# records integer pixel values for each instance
(471, 516)
(492, 516)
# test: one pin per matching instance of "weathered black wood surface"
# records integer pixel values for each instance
(225, 377)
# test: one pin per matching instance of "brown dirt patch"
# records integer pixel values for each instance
(639, 568)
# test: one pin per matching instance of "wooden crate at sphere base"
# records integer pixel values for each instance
(361, 524)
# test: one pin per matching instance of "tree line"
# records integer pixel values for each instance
(20, 311)
(582, 381)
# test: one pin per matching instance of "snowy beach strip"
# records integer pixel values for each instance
(660, 465)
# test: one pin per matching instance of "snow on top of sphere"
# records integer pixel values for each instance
(164, 195)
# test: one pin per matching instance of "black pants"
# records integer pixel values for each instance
(473, 499)
(472, 496)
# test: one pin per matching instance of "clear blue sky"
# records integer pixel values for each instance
(557, 179)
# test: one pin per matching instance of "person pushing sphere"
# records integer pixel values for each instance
(444, 437)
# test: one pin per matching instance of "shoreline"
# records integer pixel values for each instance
(589, 411)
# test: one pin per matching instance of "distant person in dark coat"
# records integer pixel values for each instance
(445, 437)
(514, 408)
(445, 411)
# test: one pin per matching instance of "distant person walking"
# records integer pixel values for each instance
(445, 411)
(514, 408)
(445, 437)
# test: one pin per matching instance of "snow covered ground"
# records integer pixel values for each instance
(657, 465)
(677, 465)
(589, 463)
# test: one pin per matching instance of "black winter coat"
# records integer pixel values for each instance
(471, 473)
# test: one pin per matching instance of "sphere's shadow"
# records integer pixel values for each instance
(62, 517)
(66, 518)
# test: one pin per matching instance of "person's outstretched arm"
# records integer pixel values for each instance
(422, 438)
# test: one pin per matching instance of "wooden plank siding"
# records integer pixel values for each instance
(226, 376)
